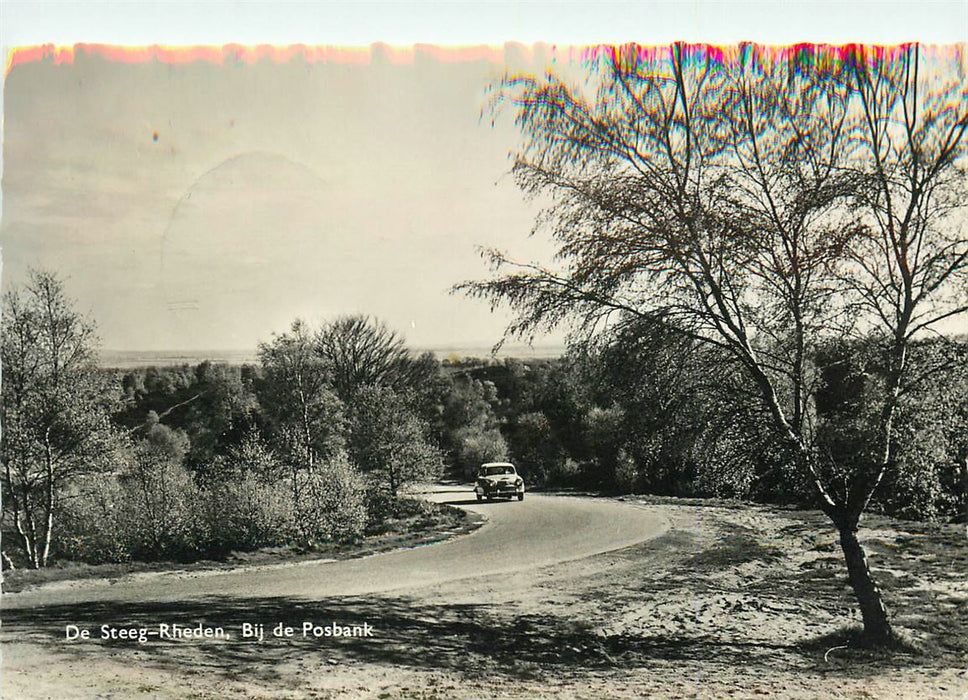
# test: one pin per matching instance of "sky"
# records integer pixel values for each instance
(205, 205)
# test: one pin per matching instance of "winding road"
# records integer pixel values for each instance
(540, 531)
(432, 606)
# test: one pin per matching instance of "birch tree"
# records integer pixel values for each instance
(55, 411)
(306, 415)
(758, 200)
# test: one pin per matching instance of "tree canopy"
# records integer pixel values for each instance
(56, 408)
(759, 200)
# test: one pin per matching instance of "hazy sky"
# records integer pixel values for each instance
(204, 205)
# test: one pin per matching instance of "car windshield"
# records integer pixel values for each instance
(491, 471)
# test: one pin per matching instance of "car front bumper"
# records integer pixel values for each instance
(500, 490)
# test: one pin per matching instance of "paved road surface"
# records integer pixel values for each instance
(539, 531)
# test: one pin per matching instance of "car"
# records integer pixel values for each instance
(498, 480)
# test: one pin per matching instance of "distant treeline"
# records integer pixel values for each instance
(650, 412)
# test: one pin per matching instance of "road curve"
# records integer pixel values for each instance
(539, 531)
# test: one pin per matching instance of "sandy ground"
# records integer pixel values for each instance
(732, 602)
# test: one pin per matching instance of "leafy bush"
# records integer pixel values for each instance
(156, 511)
(604, 434)
(160, 500)
(626, 473)
(95, 523)
(245, 513)
(566, 472)
(930, 426)
(146, 514)
(536, 452)
(331, 504)
(476, 446)
(389, 442)
(385, 512)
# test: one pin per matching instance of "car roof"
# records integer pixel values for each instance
(496, 464)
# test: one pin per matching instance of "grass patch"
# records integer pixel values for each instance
(850, 646)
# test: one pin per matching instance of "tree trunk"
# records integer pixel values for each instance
(48, 500)
(393, 481)
(24, 539)
(49, 488)
(877, 626)
(31, 531)
(49, 527)
(964, 492)
(18, 523)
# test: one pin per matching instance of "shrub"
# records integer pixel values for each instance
(564, 473)
(626, 473)
(331, 504)
(160, 499)
(476, 446)
(146, 514)
(245, 513)
(536, 451)
(385, 513)
(389, 441)
(96, 523)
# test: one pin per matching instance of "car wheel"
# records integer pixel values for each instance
(480, 497)
(520, 496)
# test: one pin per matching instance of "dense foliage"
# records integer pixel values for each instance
(183, 462)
